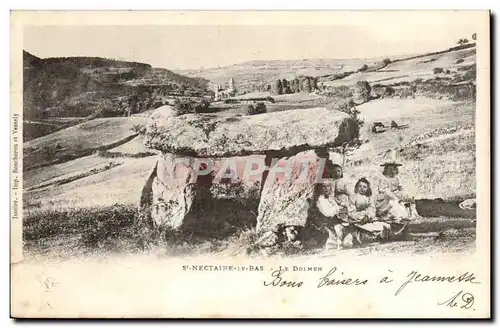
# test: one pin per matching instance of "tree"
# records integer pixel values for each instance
(286, 86)
(306, 84)
(314, 83)
(462, 41)
(278, 87)
(363, 68)
(256, 109)
(296, 85)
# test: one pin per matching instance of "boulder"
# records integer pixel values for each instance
(168, 196)
(209, 135)
(175, 188)
(362, 91)
(288, 201)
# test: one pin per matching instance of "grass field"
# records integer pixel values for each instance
(437, 147)
(72, 231)
(79, 140)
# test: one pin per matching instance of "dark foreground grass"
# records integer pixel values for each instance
(79, 231)
(116, 228)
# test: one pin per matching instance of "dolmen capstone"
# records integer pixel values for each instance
(272, 159)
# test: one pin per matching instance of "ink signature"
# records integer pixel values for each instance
(460, 299)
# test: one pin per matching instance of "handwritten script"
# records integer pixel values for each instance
(337, 278)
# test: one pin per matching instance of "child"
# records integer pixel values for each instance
(362, 212)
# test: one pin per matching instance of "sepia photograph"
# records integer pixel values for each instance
(281, 153)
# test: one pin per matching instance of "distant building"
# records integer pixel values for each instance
(224, 91)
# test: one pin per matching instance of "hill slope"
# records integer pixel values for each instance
(93, 87)
(255, 75)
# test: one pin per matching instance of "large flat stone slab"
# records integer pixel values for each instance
(209, 135)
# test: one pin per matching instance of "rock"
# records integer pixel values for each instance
(362, 91)
(287, 202)
(175, 187)
(172, 193)
(208, 135)
(468, 204)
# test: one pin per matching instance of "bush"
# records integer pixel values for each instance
(386, 61)
(458, 61)
(339, 92)
(270, 99)
(138, 128)
(259, 108)
(231, 101)
(184, 106)
(363, 68)
(202, 106)
(469, 75)
(343, 105)
(438, 70)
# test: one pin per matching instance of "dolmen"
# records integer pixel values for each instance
(276, 159)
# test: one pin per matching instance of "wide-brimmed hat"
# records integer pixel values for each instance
(391, 164)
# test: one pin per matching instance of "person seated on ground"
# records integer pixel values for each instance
(391, 200)
(333, 202)
(337, 188)
(362, 214)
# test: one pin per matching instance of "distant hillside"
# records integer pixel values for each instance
(250, 75)
(94, 87)
(256, 75)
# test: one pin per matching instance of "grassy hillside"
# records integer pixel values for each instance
(413, 69)
(88, 87)
(254, 75)
(437, 146)
(80, 140)
(250, 75)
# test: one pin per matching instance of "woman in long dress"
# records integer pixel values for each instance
(391, 199)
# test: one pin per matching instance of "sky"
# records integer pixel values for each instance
(206, 46)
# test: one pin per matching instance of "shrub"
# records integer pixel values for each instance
(137, 128)
(270, 99)
(339, 92)
(467, 68)
(183, 106)
(259, 108)
(363, 68)
(202, 106)
(437, 70)
(344, 105)
(386, 61)
(458, 61)
(231, 101)
(278, 87)
(469, 75)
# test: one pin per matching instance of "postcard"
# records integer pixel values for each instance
(250, 164)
